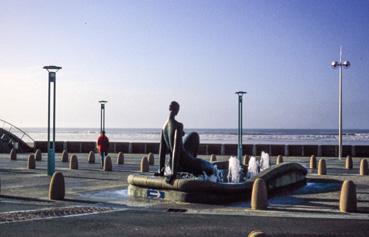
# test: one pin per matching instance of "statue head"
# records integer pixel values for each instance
(174, 108)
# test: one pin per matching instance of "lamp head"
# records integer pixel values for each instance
(240, 92)
(52, 68)
(334, 64)
(346, 64)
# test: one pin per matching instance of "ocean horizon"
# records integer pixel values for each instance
(212, 135)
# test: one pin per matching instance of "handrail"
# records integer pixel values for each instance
(18, 130)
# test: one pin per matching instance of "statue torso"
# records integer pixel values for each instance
(168, 132)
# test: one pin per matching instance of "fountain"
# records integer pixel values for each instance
(189, 188)
(187, 178)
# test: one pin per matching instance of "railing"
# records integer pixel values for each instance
(22, 135)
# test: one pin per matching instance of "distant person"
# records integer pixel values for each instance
(182, 153)
(103, 146)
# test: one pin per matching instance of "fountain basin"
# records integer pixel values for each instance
(193, 190)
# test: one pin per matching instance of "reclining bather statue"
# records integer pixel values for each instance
(182, 154)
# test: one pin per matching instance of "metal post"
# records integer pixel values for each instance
(54, 120)
(103, 123)
(101, 117)
(340, 115)
(340, 66)
(239, 126)
(102, 114)
(51, 143)
(239, 146)
(51, 157)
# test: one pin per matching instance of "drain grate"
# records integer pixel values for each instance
(49, 213)
(176, 210)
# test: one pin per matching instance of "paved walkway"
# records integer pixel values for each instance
(97, 203)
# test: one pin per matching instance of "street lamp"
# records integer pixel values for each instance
(340, 65)
(51, 144)
(102, 114)
(239, 148)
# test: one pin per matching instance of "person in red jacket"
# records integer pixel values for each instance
(103, 146)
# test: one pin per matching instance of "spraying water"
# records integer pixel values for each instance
(215, 177)
(234, 169)
(235, 172)
(253, 168)
(264, 161)
(167, 170)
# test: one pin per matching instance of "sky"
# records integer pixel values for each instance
(140, 55)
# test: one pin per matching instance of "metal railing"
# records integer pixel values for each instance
(19, 133)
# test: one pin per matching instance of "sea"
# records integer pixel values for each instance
(220, 136)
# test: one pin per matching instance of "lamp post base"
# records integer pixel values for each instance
(50, 162)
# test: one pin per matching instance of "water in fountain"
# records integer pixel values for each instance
(264, 161)
(253, 168)
(167, 170)
(235, 173)
(234, 169)
(216, 177)
(219, 174)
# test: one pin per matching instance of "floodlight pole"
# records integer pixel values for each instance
(239, 147)
(51, 143)
(340, 66)
(102, 114)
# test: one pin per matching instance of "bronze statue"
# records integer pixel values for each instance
(182, 154)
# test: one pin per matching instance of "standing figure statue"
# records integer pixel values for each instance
(182, 154)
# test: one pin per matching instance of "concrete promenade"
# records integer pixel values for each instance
(96, 204)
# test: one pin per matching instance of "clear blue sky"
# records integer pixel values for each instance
(140, 55)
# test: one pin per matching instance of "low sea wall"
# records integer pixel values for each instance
(218, 149)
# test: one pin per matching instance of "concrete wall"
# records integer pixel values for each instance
(218, 149)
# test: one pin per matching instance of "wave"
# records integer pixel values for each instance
(251, 136)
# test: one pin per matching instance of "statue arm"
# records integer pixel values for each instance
(177, 149)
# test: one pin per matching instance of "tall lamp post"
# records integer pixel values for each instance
(340, 65)
(102, 114)
(51, 143)
(239, 147)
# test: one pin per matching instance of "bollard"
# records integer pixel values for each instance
(144, 165)
(91, 157)
(120, 158)
(348, 202)
(64, 156)
(13, 154)
(312, 162)
(213, 158)
(246, 159)
(151, 158)
(108, 166)
(322, 167)
(363, 167)
(348, 163)
(38, 155)
(259, 195)
(73, 164)
(57, 187)
(279, 159)
(256, 233)
(31, 164)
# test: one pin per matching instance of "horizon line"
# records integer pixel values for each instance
(97, 128)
